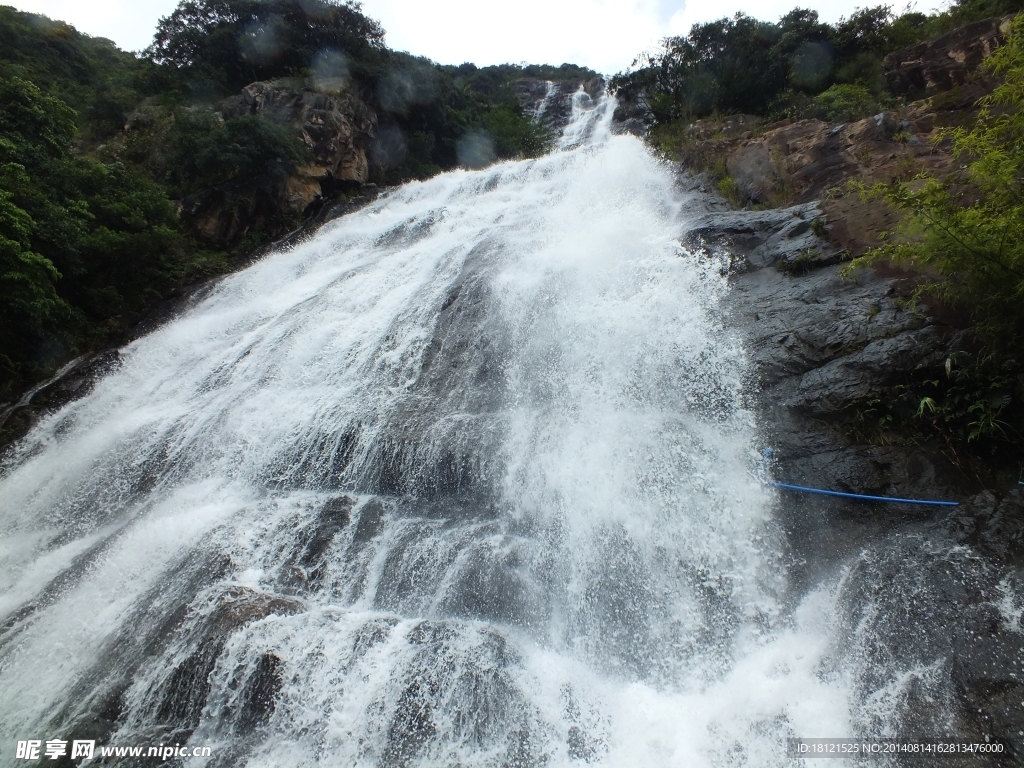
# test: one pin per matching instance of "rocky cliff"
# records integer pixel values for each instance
(550, 102)
(344, 139)
(334, 124)
(850, 342)
(800, 161)
(820, 344)
(825, 351)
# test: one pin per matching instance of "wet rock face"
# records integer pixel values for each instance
(259, 695)
(307, 568)
(946, 62)
(819, 343)
(75, 380)
(932, 608)
(188, 686)
(932, 637)
(490, 697)
(788, 239)
(532, 93)
(632, 115)
(551, 102)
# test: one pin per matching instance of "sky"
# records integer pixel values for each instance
(605, 35)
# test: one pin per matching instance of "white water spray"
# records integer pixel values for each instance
(462, 480)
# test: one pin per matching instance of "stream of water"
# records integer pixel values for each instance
(466, 479)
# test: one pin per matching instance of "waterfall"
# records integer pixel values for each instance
(542, 106)
(465, 479)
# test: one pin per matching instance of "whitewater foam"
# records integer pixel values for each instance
(519, 393)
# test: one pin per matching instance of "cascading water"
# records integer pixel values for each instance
(542, 106)
(463, 480)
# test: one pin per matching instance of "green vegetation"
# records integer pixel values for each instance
(220, 46)
(97, 145)
(966, 233)
(90, 75)
(846, 102)
(968, 230)
(776, 70)
(205, 151)
(82, 243)
(209, 49)
(427, 112)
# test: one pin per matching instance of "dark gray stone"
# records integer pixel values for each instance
(783, 237)
(921, 594)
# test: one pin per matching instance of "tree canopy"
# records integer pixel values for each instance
(742, 64)
(95, 142)
(80, 242)
(231, 43)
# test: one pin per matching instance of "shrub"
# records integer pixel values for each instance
(966, 234)
(844, 102)
(205, 151)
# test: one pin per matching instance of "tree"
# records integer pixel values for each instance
(89, 74)
(29, 304)
(231, 43)
(204, 151)
(80, 242)
(733, 65)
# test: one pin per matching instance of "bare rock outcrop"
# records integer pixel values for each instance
(336, 127)
(922, 588)
(798, 161)
(945, 63)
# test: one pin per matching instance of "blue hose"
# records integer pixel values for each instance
(864, 497)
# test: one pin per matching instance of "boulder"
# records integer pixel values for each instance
(791, 239)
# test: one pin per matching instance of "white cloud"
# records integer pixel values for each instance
(603, 34)
(129, 23)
